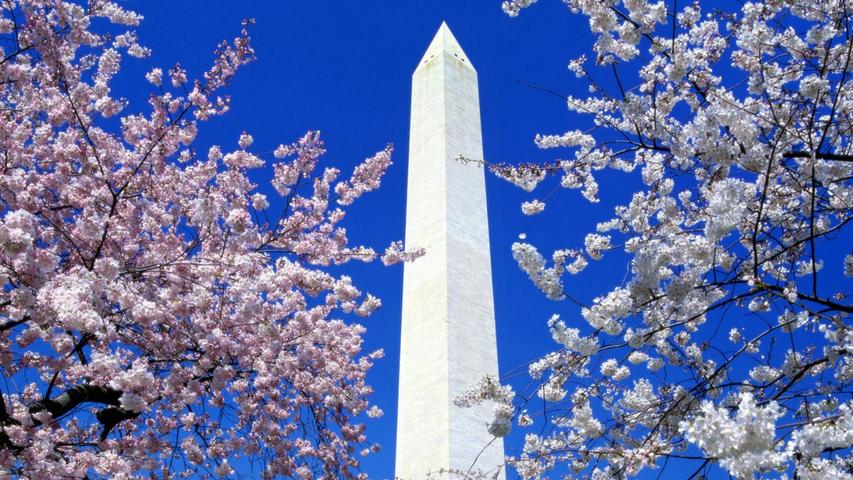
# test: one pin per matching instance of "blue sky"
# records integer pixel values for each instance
(344, 67)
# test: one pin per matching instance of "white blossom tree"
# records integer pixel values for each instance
(729, 344)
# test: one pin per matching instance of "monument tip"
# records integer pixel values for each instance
(445, 42)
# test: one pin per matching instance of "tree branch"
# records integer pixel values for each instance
(820, 156)
(14, 323)
(74, 396)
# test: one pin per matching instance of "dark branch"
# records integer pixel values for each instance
(821, 156)
(112, 416)
(75, 396)
(14, 323)
(71, 398)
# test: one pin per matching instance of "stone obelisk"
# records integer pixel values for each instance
(448, 333)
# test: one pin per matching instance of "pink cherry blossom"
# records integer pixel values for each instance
(160, 315)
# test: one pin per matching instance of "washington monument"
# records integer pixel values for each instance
(448, 333)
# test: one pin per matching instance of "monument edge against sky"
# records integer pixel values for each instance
(448, 332)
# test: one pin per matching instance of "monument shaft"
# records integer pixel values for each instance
(448, 332)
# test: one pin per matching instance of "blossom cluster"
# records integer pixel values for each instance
(161, 315)
(728, 342)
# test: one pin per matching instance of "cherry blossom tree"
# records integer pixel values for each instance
(728, 346)
(159, 317)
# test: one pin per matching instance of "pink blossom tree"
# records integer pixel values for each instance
(158, 317)
(729, 344)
